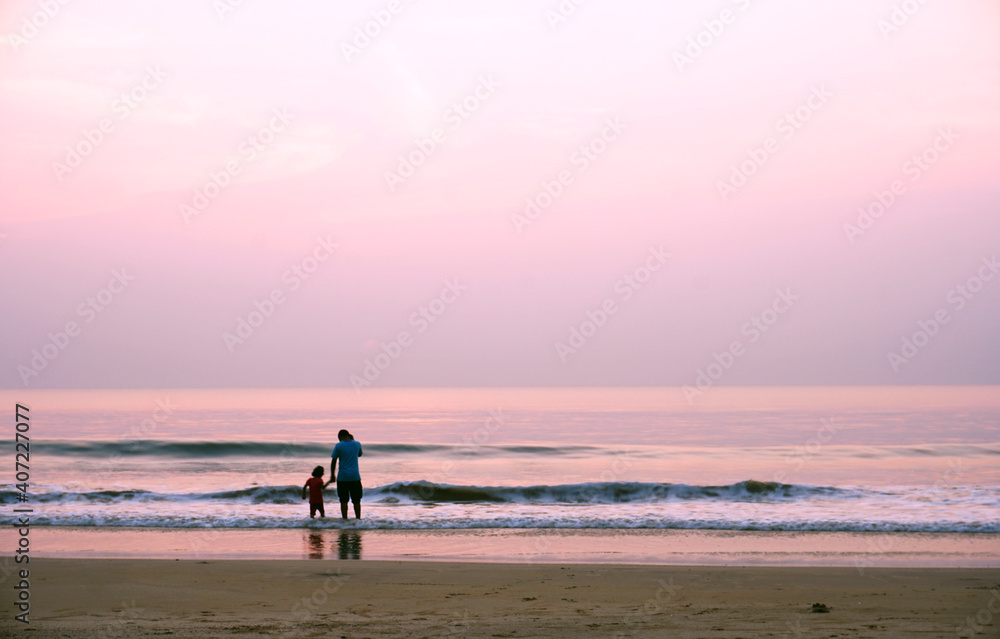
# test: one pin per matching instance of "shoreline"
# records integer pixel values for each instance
(257, 598)
(661, 547)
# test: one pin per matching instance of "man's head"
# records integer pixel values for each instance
(344, 436)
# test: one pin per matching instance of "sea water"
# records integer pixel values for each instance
(897, 460)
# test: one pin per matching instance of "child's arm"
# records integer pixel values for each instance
(306, 485)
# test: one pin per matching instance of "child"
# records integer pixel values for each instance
(315, 486)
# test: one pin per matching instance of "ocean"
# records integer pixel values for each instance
(783, 460)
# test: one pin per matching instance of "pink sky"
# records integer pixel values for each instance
(661, 135)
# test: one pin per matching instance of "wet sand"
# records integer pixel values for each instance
(510, 545)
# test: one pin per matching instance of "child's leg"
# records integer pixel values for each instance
(322, 511)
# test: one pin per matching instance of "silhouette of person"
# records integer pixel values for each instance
(349, 480)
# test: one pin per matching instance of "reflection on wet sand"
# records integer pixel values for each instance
(348, 543)
(314, 545)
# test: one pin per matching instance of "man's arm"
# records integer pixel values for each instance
(333, 471)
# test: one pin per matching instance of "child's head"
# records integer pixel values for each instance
(318, 471)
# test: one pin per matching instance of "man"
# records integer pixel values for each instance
(349, 480)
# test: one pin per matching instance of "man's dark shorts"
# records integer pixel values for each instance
(349, 490)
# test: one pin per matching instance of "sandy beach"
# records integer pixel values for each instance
(258, 598)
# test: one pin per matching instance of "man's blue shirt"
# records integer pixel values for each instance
(348, 452)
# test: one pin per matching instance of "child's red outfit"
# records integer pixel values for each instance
(315, 486)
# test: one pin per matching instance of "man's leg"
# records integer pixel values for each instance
(343, 492)
(357, 509)
(356, 492)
